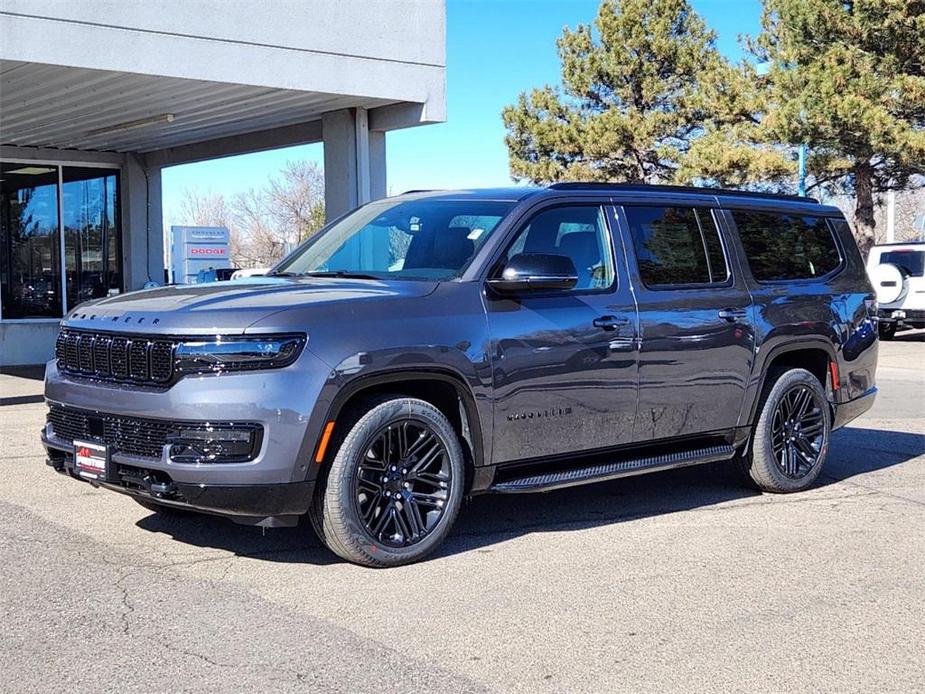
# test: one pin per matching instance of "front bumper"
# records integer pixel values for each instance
(268, 505)
(278, 401)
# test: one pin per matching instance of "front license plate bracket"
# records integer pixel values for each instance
(91, 460)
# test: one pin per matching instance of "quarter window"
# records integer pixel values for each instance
(578, 232)
(677, 246)
(786, 246)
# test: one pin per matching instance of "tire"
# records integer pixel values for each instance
(783, 467)
(394, 487)
(163, 509)
(887, 331)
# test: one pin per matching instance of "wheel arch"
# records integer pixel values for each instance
(814, 355)
(443, 388)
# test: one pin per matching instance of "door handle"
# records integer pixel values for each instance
(610, 322)
(733, 314)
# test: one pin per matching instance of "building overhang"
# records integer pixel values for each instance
(129, 77)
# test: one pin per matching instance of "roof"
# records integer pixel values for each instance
(636, 191)
(691, 190)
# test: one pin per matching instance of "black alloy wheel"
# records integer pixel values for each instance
(402, 483)
(790, 438)
(798, 432)
(395, 485)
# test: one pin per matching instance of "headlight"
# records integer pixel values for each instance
(237, 353)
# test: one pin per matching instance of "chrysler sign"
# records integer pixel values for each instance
(193, 249)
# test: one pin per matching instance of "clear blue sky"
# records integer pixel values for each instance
(494, 50)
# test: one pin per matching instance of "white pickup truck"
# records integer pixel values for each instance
(897, 271)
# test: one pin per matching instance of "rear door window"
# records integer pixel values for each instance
(786, 246)
(677, 246)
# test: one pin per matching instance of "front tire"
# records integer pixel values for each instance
(791, 436)
(395, 486)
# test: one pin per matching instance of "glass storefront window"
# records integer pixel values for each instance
(30, 248)
(31, 223)
(91, 239)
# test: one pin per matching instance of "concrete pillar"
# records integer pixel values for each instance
(142, 223)
(354, 161)
(377, 186)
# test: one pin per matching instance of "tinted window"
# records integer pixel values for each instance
(908, 261)
(578, 232)
(30, 243)
(91, 233)
(786, 247)
(676, 246)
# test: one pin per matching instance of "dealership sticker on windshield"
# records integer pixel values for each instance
(90, 459)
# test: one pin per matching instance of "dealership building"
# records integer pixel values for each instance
(97, 98)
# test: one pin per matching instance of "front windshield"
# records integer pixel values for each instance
(420, 239)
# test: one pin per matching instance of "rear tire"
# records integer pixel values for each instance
(887, 331)
(394, 487)
(791, 437)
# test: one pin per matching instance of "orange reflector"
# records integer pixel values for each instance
(833, 368)
(323, 444)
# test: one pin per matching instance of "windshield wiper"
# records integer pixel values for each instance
(341, 273)
(284, 274)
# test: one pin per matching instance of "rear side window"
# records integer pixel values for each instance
(911, 263)
(677, 246)
(786, 247)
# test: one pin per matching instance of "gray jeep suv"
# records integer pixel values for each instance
(436, 345)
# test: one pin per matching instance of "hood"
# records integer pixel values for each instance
(230, 307)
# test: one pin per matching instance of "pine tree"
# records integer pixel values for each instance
(847, 79)
(633, 97)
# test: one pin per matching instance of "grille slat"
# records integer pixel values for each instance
(119, 357)
(71, 357)
(85, 353)
(101, 355)
(138, 360)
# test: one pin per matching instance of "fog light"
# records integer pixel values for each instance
(215, 444)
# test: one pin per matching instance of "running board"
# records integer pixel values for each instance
(608, 471)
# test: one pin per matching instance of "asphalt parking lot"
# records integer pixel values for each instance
(680, 581)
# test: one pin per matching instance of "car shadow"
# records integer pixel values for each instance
(488, 520)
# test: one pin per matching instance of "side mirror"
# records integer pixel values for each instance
(535, 272)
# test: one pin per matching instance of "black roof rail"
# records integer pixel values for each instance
(644, 187)
(419, 190)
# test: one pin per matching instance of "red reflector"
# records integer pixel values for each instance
(833, 369)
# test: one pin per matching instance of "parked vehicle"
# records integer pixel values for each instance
(250, 272)
(897, 271)
(436, 345)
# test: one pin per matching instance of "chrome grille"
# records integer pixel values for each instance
(139, 360)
